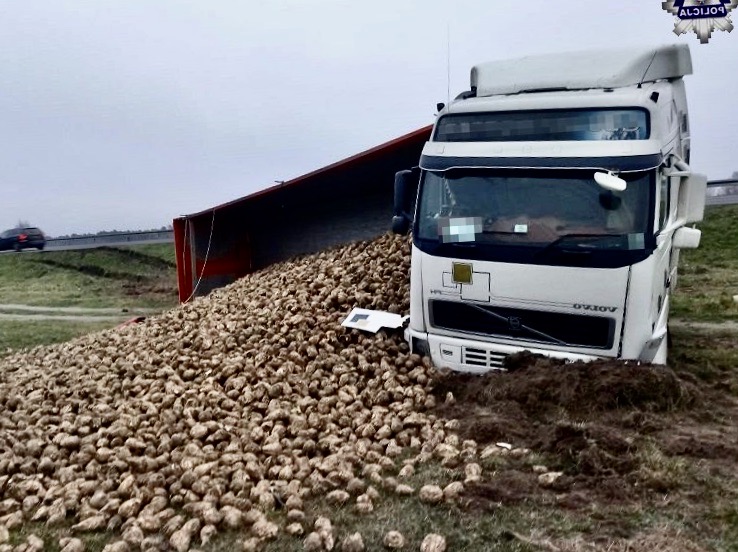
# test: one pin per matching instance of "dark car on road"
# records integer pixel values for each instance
(22, 238)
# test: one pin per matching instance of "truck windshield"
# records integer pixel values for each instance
(544, 125)
(532, 216)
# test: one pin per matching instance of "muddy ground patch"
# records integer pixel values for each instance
(624, 437)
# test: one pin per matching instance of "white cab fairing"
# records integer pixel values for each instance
(604, 69)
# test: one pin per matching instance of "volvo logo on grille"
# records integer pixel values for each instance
(514, 322)
(597, 308)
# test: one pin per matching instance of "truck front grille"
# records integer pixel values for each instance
(483, 358)
(529, 325)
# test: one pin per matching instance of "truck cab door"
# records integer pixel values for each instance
(665, 261)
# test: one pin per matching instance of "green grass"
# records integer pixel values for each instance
(16, 334)
(51, 535)
(727, 517)
(132, 277)
(141, 276)
(487, 533)
(707, 275)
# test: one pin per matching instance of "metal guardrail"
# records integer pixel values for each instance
(726, 182)
(722, 192)
(112, 239)
(722, 200)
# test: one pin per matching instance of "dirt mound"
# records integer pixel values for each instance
(507, 487)
(590, 449)
(541, 386)
(585, 420)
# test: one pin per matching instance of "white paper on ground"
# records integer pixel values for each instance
(372, 320)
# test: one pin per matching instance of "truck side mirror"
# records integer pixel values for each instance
(686, 238)
(400, 225)
(692, 192)
(406, 188)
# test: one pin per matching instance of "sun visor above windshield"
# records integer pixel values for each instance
(620, 164)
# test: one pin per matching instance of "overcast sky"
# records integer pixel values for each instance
(126, 114)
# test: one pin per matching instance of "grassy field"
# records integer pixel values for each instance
(708, 275)
(141, 275)
(17, 334)
(122, 278)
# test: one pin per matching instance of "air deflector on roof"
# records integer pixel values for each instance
(582, 70)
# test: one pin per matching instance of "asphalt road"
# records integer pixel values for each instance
(52, 247)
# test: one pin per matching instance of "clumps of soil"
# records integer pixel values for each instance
(143, 286)
(586, 420)
(542, 387)
(697, 441)
(509, 486)
(590, 449)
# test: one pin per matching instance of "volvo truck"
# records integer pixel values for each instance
(549, 208)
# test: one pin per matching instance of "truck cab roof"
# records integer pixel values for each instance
(617, 110)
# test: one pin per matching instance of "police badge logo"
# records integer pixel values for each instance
(701, 16)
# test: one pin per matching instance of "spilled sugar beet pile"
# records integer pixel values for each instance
(215, 415)
(245, 410)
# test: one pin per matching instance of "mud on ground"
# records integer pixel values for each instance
(628, 438)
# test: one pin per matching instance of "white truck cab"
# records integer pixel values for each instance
(552, 202)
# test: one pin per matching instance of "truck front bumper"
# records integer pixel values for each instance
(470, 355)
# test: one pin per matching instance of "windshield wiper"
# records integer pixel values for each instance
(566, 237)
